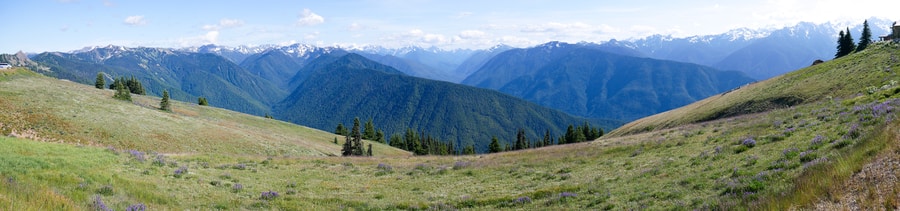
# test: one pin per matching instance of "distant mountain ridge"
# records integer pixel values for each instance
(341, 87)
(594, 82)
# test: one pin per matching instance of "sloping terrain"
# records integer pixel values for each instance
(350, 86)
(777, 159)
(51, 110)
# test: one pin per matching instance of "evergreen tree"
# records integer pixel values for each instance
(865, 38)
(369, 130)
(369, 152)
(335, 140)
(267, 116)
(121, 92)
(521, 140)
(397, 142)
(570, 135)
(469, 150)
(164, 103)
(547, 138)
(202, 101)
(101, 82)
(379, 136)
(845, 44)
(134, 86)
(347, 148)
(357, 138)
(341, 130)
(494, 146)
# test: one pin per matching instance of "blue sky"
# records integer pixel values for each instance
(65, 25)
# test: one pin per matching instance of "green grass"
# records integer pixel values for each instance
(702, 165)
(51, 110)
(840, 78)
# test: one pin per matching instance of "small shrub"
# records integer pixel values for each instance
(790, 153)
(215, 183)
(808, 156)
(106, 190)
(740, 148)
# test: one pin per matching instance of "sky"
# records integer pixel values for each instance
(64, 25)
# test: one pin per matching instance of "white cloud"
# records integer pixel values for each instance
(471, 34)
(308, 18)
(223, 24)
(135, 20)
(211, 37)
(228, 23)
(312, 36)
(463, 15)
(356, 27)
(554, 27)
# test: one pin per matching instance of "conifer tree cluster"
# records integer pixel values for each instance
(353, 144)
(421, 143)
(845, 44)
(132, 85)
(121, 92)
(202, 101)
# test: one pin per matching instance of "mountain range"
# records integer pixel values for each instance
(598, 81)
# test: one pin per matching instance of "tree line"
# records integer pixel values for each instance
(125, 87)
(421, 143)
(845, 44)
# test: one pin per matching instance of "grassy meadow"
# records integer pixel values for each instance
(782, 157)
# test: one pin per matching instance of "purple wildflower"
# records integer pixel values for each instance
(237, 187)
(567, 194)
(160, 160)
(99, 205)
(138, 155)
(523, 200)
(384, 167)
(817, 140)
(181, 171)
(136, 207)
(269, 195)
(749, 142)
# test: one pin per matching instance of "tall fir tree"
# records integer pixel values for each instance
(845, 44)
(369, 130)
(202, 101)
(397, 142)
(347, 148)
(379, 136)
(357, 138)
(135, 86)
(547, 138)
(494, 146)
(100, 83)
(369, 152)
(164, 103)
(865, 38)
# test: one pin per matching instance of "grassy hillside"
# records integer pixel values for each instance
(52, 110)
(819, 154)
(844, 78)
